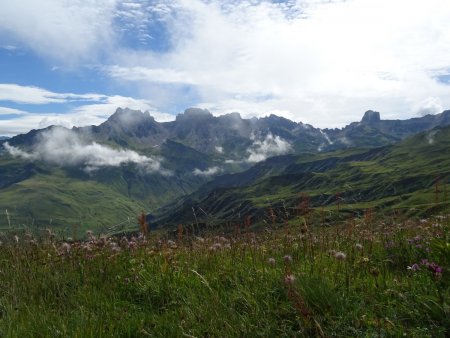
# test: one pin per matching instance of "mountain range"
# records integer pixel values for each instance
(101, 175)
(412, 176)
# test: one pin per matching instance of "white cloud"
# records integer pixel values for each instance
(64, 30)
(269, 146)
(208, 172)
(317, 61)
(321, 62)
(431, 105)
(35, 95)
(63, 147)
(11, 111)
(9, 48)
(160, 75)
(430, 136)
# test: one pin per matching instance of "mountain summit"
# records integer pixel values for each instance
(371, 117)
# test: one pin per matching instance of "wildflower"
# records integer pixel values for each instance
(171, 244)
(424, 262)
(115, 248)
(124, 242)
(434, 268)
(358, 246)
(414, 267)
(103, 241)
(271, 261)
(287, 259)
(340, 256)
(223, 239)
(289, 279)
(65, 248)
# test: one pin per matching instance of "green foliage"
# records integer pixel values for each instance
(357, 278)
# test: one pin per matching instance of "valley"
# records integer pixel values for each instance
(223, 168)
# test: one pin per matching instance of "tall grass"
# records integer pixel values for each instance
(359, 278)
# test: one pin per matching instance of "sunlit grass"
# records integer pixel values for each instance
(361, 277)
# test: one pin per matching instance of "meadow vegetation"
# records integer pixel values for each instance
(366, 276)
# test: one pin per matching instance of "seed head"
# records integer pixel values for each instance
(65, 248)
(340, 256)
(289, 279)
(287, 259)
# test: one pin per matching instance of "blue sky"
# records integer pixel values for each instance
(323, 62)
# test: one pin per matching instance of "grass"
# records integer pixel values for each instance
(285, 281)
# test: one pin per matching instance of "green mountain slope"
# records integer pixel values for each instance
(35, 193)
(399, 176)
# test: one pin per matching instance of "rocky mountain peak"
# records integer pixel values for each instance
(127, 116)
(194, 113)
(371, 117)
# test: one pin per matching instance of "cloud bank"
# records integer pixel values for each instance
(268, 147)
(63, 147)
(63, 30)
(208, 172)
(320, 62)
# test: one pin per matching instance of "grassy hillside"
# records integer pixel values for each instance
(400, 176)
(38, 196)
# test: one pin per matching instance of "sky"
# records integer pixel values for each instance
(322, 62)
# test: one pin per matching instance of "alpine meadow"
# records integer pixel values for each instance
(206, 168)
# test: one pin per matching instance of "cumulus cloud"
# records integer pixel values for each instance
(63, 30)
(269, 146)
(430, 105)
(208, 172)
(320, 62)
(62, 147)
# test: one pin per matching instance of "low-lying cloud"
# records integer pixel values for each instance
(208, 172)
(270, 146)
(62, 147)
